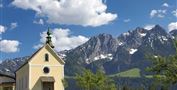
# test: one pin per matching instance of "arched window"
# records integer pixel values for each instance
(46, 57)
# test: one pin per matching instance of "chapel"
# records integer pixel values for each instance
(44, 70)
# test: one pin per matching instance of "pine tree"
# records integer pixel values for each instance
(165, 70)
(65, 83)
(98, 81)
(85, 81)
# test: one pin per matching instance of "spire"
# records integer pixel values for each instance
(48, 38)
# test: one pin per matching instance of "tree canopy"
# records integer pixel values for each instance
(90, 81)
(164, 69)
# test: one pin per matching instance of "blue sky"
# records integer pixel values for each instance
(23, 24)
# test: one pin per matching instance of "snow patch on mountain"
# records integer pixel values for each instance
(132, 51)
(101, 56)
(142, 34)
(162, 39)
(62, 55)
(120, 43)
(126, 34)
(155, 56)
(172, 37)
(7, 70)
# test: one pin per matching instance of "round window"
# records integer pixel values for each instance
(46, 70)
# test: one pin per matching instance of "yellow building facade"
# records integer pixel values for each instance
(43, 71)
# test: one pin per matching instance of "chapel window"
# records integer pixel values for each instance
(46, 57)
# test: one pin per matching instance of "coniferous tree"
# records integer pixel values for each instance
(98, 81)
(65, 83)
(164, 69)
(85, 81)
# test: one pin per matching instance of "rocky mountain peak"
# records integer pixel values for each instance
(157, 26)
(104, 35)
(101, 38)
(112, 54)
(173, 33)
(158, 30)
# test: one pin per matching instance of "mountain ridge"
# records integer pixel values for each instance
(111, 54)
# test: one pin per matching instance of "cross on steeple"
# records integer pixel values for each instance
(48, 38)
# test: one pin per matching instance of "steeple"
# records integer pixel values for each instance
(48, 38)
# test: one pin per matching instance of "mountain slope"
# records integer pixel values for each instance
(112, 54)
(134, 72)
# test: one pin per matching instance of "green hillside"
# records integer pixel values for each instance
(135, 72)
(132, 73)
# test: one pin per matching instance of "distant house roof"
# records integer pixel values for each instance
(36, 53)
(6, 79)
(5, 75)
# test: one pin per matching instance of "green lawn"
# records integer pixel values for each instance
(133, 73)
(149, 76)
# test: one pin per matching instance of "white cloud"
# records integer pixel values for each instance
(174, 13)
(172, 26)
(127, 20)
(2, 29)
(41, 21)
(153, 13)
(158, 13)
(13, 25)
(165, 5)
(9, 46)
(70, 12)
(149, 26)
(37, 46)
(62, 39)
(1, 5)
